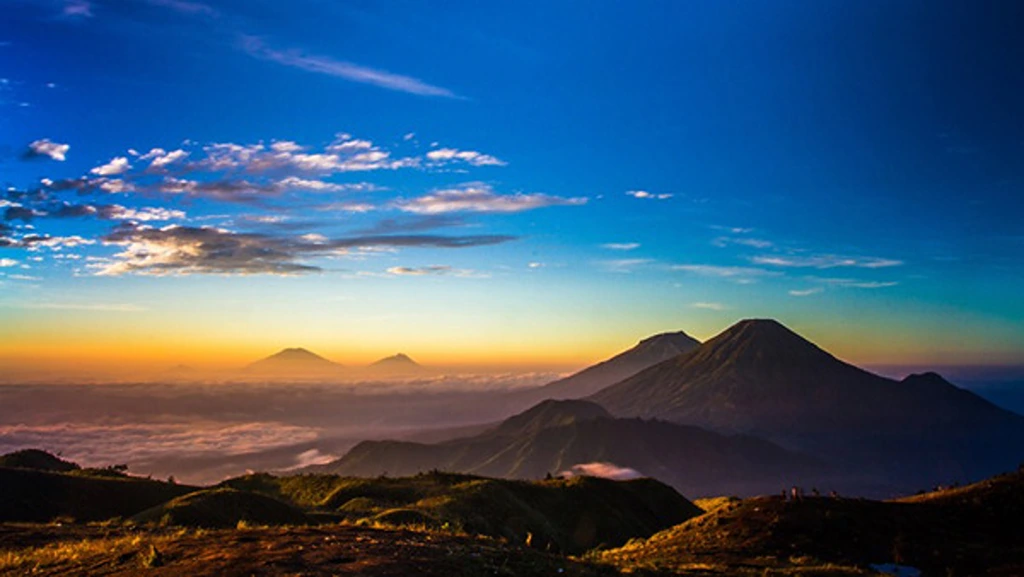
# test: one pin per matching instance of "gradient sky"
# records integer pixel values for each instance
(534, 184)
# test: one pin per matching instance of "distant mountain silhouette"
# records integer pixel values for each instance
(293, 362)
(761, 378)
(396, 365)
(648, 352)
(555, 436)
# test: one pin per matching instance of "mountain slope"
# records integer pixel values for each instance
(555, 436)
(646, 353)
(761, 378)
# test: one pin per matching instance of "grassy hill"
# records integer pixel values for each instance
(965, 531)
(37, 460)
(40, 496)
(565, 515)
(223, 507)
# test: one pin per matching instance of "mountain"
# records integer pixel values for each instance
(759, 377)
(294, 363)
(558, 436)
(395, 365)
(592, 379)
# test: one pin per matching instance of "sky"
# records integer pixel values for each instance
(531, 184)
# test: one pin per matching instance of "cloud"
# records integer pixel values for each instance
(480, 197)
(77, 9)
(724, 241)
(185, 7)
(805, 292)
(621, 245)
(97, 307)
(420, 271)
(340, 156)
(853, 283)
(825, 261)
(413, 224)
(185, 250)
(623, 265)
(708, 306)
(311, 457)
(648, 195)
(468, 156)
(160, 158)
(740, 274)
(8, 262)
(48, 148)
(116, 166)
(603, 470)
(256, 48)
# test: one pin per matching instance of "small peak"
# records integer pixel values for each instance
(672, 337)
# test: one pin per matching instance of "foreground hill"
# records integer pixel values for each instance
(41, 496)
(556, 436)
(590, 380)
(759, 377)
(965, 531)
(567, 515)
(76, 550)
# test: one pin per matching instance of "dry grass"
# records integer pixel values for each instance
(85, 552)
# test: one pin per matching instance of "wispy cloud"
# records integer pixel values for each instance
(741, 274)
(185, 250)
(77, 9)
(805, 292)
(709, 306)
(852, 283)
(648, 195)
(468, 156)
(825, 261)
(621, 245)
(623, 265)
(433, 270)
(480, 197)
(97, 307)
(185, 7)
(724, 241)
(294, 58)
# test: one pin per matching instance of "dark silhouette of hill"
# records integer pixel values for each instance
(566, 515)
(761, 378)
(592, 379)
(964, 531)
(41, 496)
(293, 363)
(555, 436)
(222, 507)
(37, 459)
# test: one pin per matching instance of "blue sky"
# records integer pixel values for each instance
(530, 183)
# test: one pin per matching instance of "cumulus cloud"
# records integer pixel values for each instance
(184, 250)
(8, 262)
(256, 48)
(468, 156)
(825, 261)
(621, 245)
(48, 148)
(648, 195)
(118, 165)
(480, 197)
(160, 158)
(603, 470)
